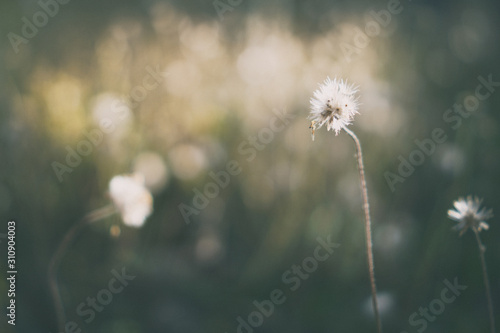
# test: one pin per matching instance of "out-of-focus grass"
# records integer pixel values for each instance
(219, 84)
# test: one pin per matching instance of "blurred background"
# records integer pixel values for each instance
(175, 90)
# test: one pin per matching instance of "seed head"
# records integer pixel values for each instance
(133, 200)
(334, 104)
(468, 215)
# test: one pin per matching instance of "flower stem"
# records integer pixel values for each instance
(91, 217)
(482, 249)
(368, 231)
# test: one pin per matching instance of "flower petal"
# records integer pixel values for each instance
(452, 214)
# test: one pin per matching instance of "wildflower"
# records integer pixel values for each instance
(468, 215)
(335, 104)
(133, 200)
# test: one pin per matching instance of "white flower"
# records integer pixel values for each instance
(468, 215)
(335, 104)
(133, 200)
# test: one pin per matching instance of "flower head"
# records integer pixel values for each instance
(133, 200)
(468, 215)
(334, 104)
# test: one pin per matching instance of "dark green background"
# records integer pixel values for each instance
(270, 215)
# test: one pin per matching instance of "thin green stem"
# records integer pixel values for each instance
(368, 230)
(482, 249)
(91, 217)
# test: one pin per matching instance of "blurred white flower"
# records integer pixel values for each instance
(133, 200)
(334, 103)
(468, 215)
